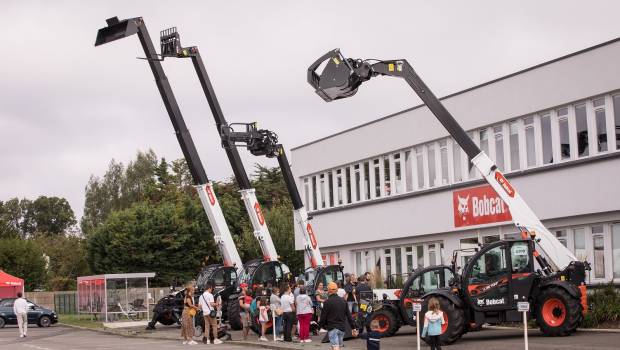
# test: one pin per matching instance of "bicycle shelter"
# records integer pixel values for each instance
(112, 297)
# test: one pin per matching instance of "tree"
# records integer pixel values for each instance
(64, 267)
(24, 259)
(47, 216)
(10, 219)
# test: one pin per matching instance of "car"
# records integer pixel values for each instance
(38, 315)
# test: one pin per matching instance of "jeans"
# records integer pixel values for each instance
(336, 337)
(352, 306)
(278, 326)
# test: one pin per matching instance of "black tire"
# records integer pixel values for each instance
(388, 322)
(558, 314)
(234, 319)
(456, 320)
(2, 322)
(44, 321)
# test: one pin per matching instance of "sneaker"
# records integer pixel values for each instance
(184, 342)
(205, 340)
(280, 339)
(21, 335)
(263, 339)
(217, 341)
(308, 341)
(322, 330)
(191, 342)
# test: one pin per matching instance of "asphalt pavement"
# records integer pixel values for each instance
(65, 338)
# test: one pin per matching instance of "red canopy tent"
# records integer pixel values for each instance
(10, 285)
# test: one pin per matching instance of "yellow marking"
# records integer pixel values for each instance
(336, 60)
(391, 67)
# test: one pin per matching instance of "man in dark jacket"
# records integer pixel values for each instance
(334, 317)
(364, 296)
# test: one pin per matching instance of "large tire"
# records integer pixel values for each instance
(2, 322)
(558, 314)
(388, 322)
(234, 319)
(454, 320)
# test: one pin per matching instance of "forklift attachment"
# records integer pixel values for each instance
(117, 30)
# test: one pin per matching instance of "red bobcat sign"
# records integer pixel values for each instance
(478, 205)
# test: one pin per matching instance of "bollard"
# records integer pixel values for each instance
(524, 306)
(417, 307)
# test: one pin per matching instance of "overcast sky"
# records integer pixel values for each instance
(67, 108)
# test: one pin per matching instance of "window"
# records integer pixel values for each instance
(564, 138)
(322, 189)
(431, 164)
(601, 125)
(348, 180)
(330, 193)
(358, 263)
(456, 160)
(514, 145)
(599, 251)
(499, 146)
(387, 184)
(399, 260)
(545, 127)
(561, 235)
(615, 238)
(617, 119)
(432, 254)
(409, 254)
(388, 263)
(520, 257)
(408, 172)
(490, 239)
(443, 151)
(530, 141)
(358, 195)
(367, 179)
(420, 251)
(377, 184)
(581, 120)
(580, 244)
(306, 192)
(420, 166)
(397, 184)
(470, 244)
(314, 198)
(489, 266)
(484, 141)
(339, 186)
(471, 168)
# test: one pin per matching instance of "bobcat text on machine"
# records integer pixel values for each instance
(168, 308)
(262, 142)
(269, 270)
(500, 274)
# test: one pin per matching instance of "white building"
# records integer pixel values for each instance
(385, 194)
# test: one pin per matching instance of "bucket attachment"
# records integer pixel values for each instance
(117, 29)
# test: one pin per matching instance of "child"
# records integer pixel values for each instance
(263, 316)
(373, 337)
(433, 319)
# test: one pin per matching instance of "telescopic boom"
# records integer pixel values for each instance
(120, 29)
(341, 78)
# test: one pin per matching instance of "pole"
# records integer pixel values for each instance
(417, 325)
(525, 329)
(274, 327)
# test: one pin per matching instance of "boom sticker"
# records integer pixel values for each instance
(259, 213)
(210, 194)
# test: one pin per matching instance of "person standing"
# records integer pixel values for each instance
(433, 319)
(362, 292)
(320, 297)
(209, 312)
(20, 308)
(276, 306)
(245, 300)
(187, 317)
(349, 289)
(288, 308)
(334, 317)
(304, 314)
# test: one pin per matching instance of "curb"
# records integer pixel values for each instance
(592, 330)
(276, 346)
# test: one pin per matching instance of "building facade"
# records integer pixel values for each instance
(398, 193)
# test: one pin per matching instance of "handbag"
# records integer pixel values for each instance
(212, 313)
(191, 312)
(279, 311)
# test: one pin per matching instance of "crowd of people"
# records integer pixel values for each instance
(294, 312)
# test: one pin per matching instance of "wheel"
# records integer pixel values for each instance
(234, 319)
(45, 321)
(453, 317)
(388, 323)
(557, 313)
(2, 322)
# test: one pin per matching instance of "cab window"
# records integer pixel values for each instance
(520, 257)
(489, 265)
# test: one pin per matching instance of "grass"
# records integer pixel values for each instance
(81, 321)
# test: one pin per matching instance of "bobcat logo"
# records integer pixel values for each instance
(463, 207)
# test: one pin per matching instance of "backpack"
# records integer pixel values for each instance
(253, 308)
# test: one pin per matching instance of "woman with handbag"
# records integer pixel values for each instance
(187, 317)
(433, 319)
(276, 307)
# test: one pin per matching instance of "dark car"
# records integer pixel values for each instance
(40, 316)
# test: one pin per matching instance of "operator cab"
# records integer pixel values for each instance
(421, 282)
(259, 273)
(324, 274)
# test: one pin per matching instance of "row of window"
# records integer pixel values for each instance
(599, 244)
(571, 132)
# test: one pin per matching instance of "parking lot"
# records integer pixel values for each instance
(65, 338)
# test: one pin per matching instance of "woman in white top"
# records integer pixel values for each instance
(288, 308)
(304, 314)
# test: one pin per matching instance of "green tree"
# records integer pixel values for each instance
(24, 259)
(10, 219)
(66, 260)
(47, 216)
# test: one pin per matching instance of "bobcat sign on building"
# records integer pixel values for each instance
(398, 193)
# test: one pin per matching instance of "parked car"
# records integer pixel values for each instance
(38, 315)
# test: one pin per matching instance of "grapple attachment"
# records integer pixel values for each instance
(117, 30)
